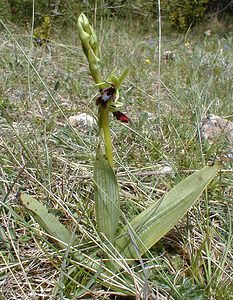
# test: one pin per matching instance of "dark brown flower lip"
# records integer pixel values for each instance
(106, 95)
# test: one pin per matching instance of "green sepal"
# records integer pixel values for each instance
(122, 77)
(112, 74)
(114, 80)
(103, 85)
(115, 106)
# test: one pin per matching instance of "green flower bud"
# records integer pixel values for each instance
(94, 66)
(90, 46)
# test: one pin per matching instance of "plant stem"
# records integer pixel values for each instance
(105, 131)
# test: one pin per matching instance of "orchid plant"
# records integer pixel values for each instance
(106, 188)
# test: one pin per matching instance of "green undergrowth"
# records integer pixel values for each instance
(41, 153)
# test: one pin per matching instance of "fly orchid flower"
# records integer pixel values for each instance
(107, 95)
(106, 99)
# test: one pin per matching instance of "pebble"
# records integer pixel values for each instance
(82, 121)
(215, 128)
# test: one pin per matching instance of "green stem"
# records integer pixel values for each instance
(105, 131)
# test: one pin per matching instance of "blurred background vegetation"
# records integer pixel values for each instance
(177, 14)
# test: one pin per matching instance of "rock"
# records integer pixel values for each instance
(82, 121)
(215, 128)
(168, 55)
(166, 169)
(208, 32)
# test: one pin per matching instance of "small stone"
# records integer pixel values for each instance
(208, 32)
(166, 169)
(82, 121)
(214, 128)
(168, 55)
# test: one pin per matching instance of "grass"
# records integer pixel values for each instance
(42, 154)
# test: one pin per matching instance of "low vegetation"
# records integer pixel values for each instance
(44, 156)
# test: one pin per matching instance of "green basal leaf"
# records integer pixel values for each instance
(46, 220)
(153, 223)
(62, 237)
(106, 197)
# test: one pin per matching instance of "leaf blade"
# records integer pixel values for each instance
(153, 223)
(106, 196)
(62, 236)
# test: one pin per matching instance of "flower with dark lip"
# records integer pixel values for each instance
(109, 94)
(106, 95)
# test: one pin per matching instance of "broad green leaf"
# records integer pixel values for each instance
(57, 230)
(46, 220)
(153, 223)
(106, 197)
